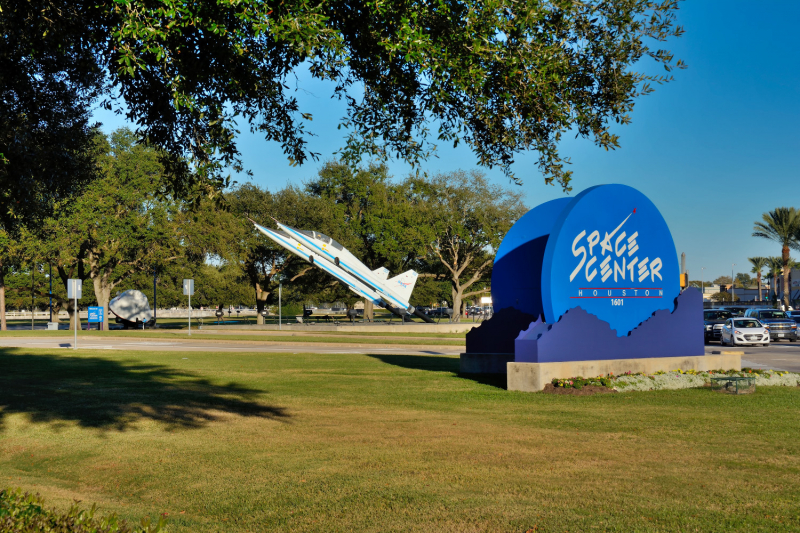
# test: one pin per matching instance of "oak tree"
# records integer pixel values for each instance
(468, 218)
(264, 263)
(122, 223)
(372, 215)
(502, 76)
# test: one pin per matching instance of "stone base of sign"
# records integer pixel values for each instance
(532, 377)
(485, 363)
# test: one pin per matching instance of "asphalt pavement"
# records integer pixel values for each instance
(781, 355)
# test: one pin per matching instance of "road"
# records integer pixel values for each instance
(777, 356)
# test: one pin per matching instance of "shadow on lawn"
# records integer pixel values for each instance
(107, 394)
(440, 364)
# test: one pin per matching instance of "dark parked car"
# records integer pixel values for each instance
(713, 320)
(737, 310)
(794, 315)
(779, 324)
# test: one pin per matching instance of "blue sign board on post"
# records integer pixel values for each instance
(96, 314)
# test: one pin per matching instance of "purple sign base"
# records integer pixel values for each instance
(581, 336)
(497, 334)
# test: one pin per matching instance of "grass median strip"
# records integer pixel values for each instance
(359, 333)
(320, 337)
(348, 442)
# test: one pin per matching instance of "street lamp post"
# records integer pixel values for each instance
(733, 287)
(51, 292)
(702, 275)
(155, 296)
(280, 311)
(33, 302)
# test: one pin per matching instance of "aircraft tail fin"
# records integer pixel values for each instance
(381, 273)
(403, 284)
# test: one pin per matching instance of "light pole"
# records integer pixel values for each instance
(733, 288)
(280, 311)
(51, 292)
(188, 290)
(702, 275)
(155, 296)
(33, 302)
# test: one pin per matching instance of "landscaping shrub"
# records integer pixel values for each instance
(580, 382)
(677, 379)
(25, 513)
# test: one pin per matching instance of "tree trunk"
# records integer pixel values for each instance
(102, 292)
(759, 286)
(73, 315)
(456, 292)
(3, 325)
(369, 310)
(787, 288)
(56, 309)
(261, 302)
(774, 296)
(787, 293)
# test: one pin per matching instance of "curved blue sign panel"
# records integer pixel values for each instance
(611, 253)
(517, 271)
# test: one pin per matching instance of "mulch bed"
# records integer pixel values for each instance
(588, 390)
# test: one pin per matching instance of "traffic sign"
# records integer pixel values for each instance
(74, 289)
(188, 287)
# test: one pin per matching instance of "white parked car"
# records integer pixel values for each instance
(742, 330)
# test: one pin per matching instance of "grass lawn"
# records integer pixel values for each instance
(304, 337)
(309, 442)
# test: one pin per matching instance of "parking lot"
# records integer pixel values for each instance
(782, 355)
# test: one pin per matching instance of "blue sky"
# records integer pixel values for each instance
(714, 149)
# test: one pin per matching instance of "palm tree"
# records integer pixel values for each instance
(781, 225)
(774, 265)
(758, 265)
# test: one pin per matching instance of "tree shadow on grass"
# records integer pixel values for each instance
(440, 364)
(114, 395)
(419, 362)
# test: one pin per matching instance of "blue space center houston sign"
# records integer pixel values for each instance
(608, 251)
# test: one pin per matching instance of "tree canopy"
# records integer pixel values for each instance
(122, 230)
(467, 218)
(120, 224)
(502, 76)
(48, 83)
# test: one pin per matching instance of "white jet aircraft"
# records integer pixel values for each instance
(297, 248)
(396, 291)
(337, 260)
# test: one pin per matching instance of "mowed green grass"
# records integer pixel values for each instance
(309, 442)
(408, 339)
